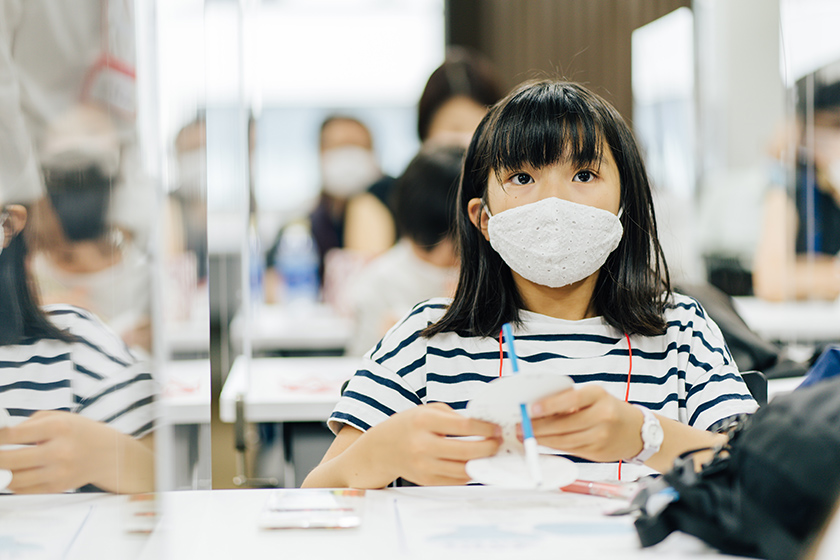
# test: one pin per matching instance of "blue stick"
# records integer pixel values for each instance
(508, 334)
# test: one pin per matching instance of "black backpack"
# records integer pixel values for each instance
(767, 493)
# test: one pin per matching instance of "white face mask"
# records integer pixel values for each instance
(3, 217)
(192, 166)
(348, 170)
(554, 242)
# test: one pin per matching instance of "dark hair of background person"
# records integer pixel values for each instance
(21, 318)
(538, 124)
(463, 73)
(826, 94)
(424, 195)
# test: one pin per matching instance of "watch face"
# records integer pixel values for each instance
(652, 434)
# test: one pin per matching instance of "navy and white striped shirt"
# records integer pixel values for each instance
(96, 376)
(686, 374)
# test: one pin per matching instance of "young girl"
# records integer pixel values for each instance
(75, 402)
(557, 236)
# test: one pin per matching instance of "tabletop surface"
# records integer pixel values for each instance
(446, 522)
(791, 321)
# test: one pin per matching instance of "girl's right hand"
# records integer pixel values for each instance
(414, 444)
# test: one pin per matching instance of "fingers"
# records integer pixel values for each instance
(567, 402)
(459, 450)
(441, 472)
(442, 420)
(36, 429)
(35, 481)
(24, 458)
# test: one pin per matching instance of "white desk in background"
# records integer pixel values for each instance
(286, 389)
(297, 396)
(186, 406)
(278, 328)
(189, 338)
(805, 321)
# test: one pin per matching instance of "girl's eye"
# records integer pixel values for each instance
(521, 179)
(584, 177)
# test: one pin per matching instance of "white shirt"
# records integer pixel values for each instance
(387, 289)
(97, 376)
(686, 374)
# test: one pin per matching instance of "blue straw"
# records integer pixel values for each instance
(527, 430)
(508, 334)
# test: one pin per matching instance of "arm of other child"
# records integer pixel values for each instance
(592, 424)
(412, 444)
(65, 451)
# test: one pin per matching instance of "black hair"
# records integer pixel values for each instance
(463, 73)
(539, 124)
(424, 195)
(824, 91)
(21, 318)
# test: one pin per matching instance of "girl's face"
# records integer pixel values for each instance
(597, 185)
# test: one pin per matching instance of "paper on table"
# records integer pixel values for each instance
(487, 523)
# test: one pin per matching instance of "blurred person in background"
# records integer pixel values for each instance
(802, 261)
(347, 165)
(453, 102)
(80, 256)
(75, 399)
(423, 264)
(67, 109)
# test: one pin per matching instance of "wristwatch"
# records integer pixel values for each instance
(652, 436)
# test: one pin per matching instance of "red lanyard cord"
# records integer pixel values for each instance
(501, 353)
(627, 390)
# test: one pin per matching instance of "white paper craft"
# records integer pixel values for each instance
(498, 402)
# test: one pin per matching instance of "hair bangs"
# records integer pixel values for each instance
(541, 127)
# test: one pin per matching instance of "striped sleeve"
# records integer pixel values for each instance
(392, 377)
(110, 384)
(714, 389)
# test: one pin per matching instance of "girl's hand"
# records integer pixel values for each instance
(413, 444)
(589, 423)
(65, 451)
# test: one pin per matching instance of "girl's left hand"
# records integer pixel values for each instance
(588, 423)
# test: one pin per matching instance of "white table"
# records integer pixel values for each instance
(805, 321)
(454, 522)
(185, 404)
(285, 389)
(278, 328)
(73, 527)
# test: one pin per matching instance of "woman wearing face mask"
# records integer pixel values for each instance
(76, 406)
(454, 100)
(348, 166)
(557, 236)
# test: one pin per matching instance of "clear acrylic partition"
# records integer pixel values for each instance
(295, 64)
(762, 71)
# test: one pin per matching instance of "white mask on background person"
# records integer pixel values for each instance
(554, 242)
(3, 217)
(192, 169)
(348, 170)
(834, 178)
